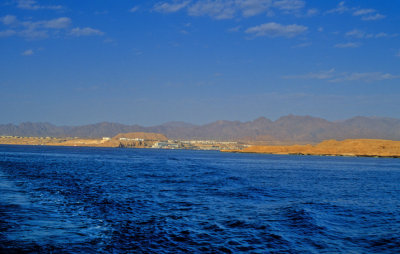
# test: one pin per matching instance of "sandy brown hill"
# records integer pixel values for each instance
(142, 135)
(350, 147)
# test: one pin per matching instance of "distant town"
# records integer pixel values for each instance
(348, 147)
(127, 140)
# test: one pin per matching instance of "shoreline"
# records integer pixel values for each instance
(322, 155)
(347, 148)
(350, 148)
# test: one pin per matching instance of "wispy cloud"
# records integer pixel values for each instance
(40, 29)
(8, 20)
(33, 34)
(86, 31)
(27, 52)
(364, 76)
(43, 28)
(312, 12)
(375, 16)
(234, 29)
(318, 75)
(170, 7)
(33, 29)
(7, 33)
(58, 23)
(341, 8)
(365, 14)
(289, 5)
(355, 33)
(134, 9)
(277, 30)
(335, 77)
(33, 5)
(347, 45)
(303, 45)
(215, 9)
(228, 9)
(362, 12)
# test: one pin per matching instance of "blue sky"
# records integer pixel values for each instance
(149, 62)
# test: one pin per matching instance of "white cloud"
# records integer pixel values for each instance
(355, 33)
(347, 45)
(319, 75)
(32, 5)
(43, 28)
(384, 35)
(27, 52)
(227, 9)
(86, 31)
(303, 45)
(8, 20)
(215, 9)
(32, 34)
(289, 5)
(40, 29)
(335, 77)
(277, 30)
(361, 12)
(376, 16)
(312, 12)
(234, 29)
(365, 14)
(58, 23)
(134, 9)
(366, 77)
(251, 8)
(7, 33)
(341, 8)
(170, 7)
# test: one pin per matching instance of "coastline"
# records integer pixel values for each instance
(124, 140)
(349, 147)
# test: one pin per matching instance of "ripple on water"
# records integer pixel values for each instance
(93, 200)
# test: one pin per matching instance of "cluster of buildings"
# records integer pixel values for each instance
(131, 139)
(197, 144)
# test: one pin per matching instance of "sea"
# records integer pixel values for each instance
(119, 200)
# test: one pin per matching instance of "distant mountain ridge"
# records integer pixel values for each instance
(287, 129)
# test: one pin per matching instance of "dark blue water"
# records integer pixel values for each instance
(100, 200)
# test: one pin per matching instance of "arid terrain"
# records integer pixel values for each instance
(126, 140)
(134, 139)
(349, 147)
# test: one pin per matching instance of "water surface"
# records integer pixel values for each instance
(107, 200)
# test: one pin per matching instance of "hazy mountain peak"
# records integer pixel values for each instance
(291, 128)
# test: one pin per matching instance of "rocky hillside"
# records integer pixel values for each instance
(285, 130)
(142, 135)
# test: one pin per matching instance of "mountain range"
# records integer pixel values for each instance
(287, 129)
